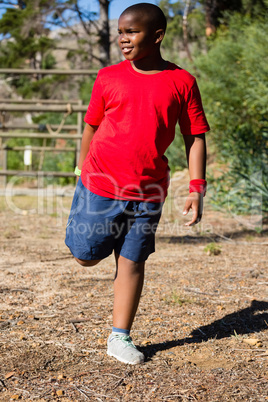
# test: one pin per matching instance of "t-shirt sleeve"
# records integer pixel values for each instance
(192, 119)
(96, 107)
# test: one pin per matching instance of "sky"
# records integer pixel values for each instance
(116, 6)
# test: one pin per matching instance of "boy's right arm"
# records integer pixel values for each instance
(88, 134)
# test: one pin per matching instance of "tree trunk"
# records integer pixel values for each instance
(214, 11)
(211, 22)
(104, 33)
(184, 28)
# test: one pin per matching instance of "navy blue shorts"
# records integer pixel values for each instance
(97, 226)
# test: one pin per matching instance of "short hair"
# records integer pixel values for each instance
(154, 14)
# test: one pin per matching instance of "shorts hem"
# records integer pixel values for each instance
(87, 257)
(133, 258)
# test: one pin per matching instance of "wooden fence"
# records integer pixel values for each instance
(5, 134)
(42, 131)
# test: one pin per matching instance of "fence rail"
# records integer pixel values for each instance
(39, 127)
(43, 108)
(38, 101)
(31, 173)
(43, 149)
(32, 71)
(64, 136)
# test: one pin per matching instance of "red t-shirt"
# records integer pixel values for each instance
(137, 114)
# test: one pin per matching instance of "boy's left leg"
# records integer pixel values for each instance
(128, 285)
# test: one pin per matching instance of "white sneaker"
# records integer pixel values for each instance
(123, 349)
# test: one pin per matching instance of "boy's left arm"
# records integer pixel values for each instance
(195, 146)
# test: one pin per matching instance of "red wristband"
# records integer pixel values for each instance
(198, 186)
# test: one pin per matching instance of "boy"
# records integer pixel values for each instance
(130, 122)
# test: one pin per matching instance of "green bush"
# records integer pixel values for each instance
(234, 89)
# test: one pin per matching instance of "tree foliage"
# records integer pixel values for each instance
(25, 39)
(91, 30)
(25, 43)
(234, 88)
(25, 27)
(173, 43)
(231, 67)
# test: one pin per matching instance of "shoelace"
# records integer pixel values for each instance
(126, 339)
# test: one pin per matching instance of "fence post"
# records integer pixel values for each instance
(79, 132)
(3, 163)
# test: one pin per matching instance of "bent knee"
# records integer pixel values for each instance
(87, 263)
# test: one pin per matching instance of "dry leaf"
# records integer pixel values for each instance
(128, 387)
(22, 337)
(259, 344)
(10, 374)
(102, 341)
(60, 392)
(146, 342)
(251, 341)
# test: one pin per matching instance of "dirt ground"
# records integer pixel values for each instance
(202, 322)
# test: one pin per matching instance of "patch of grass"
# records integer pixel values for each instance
(213, 249)
(177, 298)
(258, 229)
(236, 336)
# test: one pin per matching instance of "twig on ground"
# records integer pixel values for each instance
(22, 390)
(58, 258)
(112, 375)
(180, 395)
(223, 237)
(239, 242)
(89, 350)
(77, 320)
(82, 392)
(199, 292)
(2, 382)
(74, 327)
(16, 290)
(203, 333)
(63, 345)
(96, 395)
(48, 362)
(119, 382)
(262, 354)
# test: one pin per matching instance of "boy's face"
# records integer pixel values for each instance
(137, 40)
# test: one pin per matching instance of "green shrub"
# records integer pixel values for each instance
(234, 88)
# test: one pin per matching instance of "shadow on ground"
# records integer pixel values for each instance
(212, 237)
(248, 320)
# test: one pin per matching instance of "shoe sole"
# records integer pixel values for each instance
(121, 359)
